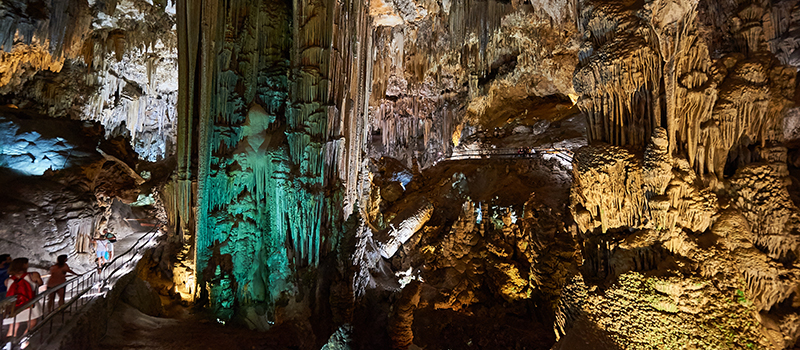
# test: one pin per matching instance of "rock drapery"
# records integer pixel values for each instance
(694, 168)
(114, 62)
(273, 172)
(62, 184)
(676, 115)
(399, 173)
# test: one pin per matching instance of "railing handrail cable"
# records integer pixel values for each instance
(49, 291)
(84, 282)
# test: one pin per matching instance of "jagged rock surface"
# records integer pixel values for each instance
(109, 61)
(692, 185)
(417, 173)
(66, 191)
(458, 66)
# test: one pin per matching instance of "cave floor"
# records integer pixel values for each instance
(128, 328)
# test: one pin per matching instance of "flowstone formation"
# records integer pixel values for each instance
(686, 224)
(425, 174)
(63, 183)
(88, 92)
(481, 253)
(403, 162)
(280, 110)
(272, 114)
(444, 70)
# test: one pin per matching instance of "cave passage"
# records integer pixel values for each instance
(406, 174)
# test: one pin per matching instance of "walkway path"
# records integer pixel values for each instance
(80, 292)
(524, 152)
(129, 329)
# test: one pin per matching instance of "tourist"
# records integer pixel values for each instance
(23, 285)
(58, 275)
(5, 262)
(100, 245)
(111, 239)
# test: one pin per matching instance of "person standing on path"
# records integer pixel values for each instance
(100, 248)
(23, 285)
(111, 239)
(58, 275)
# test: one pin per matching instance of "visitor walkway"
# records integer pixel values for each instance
(81, 290)
(522, 152)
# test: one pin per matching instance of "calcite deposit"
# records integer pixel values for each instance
(114, 62)
(420, 174)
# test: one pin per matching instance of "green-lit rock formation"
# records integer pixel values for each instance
(265, 111)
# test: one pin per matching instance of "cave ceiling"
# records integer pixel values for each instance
(402, 173)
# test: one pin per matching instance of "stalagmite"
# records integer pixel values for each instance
(713, 176)
(400, 173)
(124, 69)
(82, 229)
(657, 165)
(402, 228)
(764, 200)
(621, 78)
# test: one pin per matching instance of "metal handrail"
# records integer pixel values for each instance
(47, 292)
(7, 304)
(562, 153)
(81, 283)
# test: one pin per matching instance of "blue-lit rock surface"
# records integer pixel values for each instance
(114, 62)
(29, 148)
(62, 182)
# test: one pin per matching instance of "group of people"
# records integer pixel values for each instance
(24, 285)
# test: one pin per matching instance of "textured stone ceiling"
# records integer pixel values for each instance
(114, 62)
(428, 174)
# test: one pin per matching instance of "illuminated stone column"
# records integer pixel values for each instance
(273, 143)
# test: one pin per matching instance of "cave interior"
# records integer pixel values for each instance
(409, 174)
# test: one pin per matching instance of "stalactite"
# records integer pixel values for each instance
(83, 230)
(713, 106)
(615, 88)
(608, 184)
(657, 165)
(612, 189)
(278, 173)
(569, 305)
(61, 34)
(695, 94)
(764, 200)
(63, 31)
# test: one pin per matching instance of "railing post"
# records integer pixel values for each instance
(14, 332)
(74, 288)
(30, 315)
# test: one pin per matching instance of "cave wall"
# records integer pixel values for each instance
(313, 183)
(274, 143)
(715, 95)
(443, 69)
(686, 177)
(63, 182)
